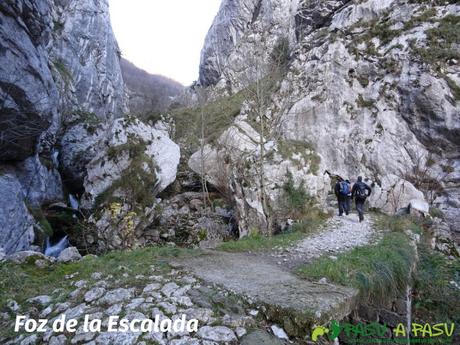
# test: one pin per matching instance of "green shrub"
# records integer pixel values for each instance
(63, 71)
(288, 148)
(151, 117)
(363, 80)
(40, 218)
(89, 120)
(138, 181)
(280, 53)
(364, 103)
(397, 223)
(454, 88)
(436, 213)
(217, 115)
(58, 26)
(296, 197)
(425, 17)
(440, 41)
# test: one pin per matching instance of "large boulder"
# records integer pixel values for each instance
(16, 223)
(393, 193)
(129, 151)
(69, 254)
(133, 163)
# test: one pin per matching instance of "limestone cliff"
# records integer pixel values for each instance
(61, 88)
(371, 87)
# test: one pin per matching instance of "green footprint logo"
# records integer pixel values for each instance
(318, 332)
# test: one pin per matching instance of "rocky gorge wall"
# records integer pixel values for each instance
(62, 91)
(370, 88)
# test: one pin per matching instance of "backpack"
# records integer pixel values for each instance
(344, 188)
(361, 192)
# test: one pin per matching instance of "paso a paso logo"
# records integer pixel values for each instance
(366, 332)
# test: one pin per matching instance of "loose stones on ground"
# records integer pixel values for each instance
(166, 295)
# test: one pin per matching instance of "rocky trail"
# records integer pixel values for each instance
(338, 235)
(266, 278)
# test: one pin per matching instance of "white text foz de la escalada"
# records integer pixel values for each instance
(114, 324)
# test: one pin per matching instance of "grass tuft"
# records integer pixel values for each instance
(396, 223)
(436, 296)
(20, 282)
(310, 223)
(380, 272)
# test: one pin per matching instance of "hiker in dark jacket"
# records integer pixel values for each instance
(342, 192)
(360, 192)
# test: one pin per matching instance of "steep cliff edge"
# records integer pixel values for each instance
(369, 87)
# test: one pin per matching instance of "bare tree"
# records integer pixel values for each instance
(202, 99)
(260, 95)
(424, 177)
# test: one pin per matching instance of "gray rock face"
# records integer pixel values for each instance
(59, 59)
(26, 184)
(314, 14)
(28, 95)
(16, 224)
(41, 184)
(86, 58)
(429, 114)
(78, 148)
(235, 30)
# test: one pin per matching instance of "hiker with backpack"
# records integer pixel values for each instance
(342, 191)
(360, 192)
(349, 196)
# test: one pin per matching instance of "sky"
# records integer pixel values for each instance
(163, 37)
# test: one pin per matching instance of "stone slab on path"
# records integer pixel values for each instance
(293, 302)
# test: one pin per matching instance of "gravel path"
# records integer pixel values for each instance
(268, 284)
(340, 234)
